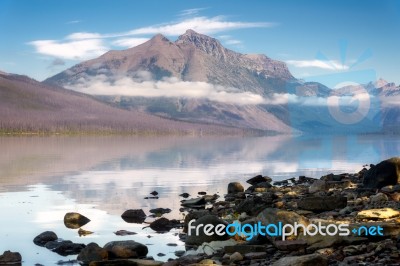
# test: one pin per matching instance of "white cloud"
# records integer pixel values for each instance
(86, 45)
(191, 11)
(203, 25)
(73, 22)
(168, 87)
(83, 35)
(72, 50)
(233, 42)
(129, 42)
(330, 65)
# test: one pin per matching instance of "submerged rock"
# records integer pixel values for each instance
(383, 174)
(160, 211)
(45, 237)
(74, 220)
(124, 233)
(134, 216)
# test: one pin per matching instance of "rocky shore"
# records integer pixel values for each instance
(346, 219)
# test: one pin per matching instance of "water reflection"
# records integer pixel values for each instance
(42, 178)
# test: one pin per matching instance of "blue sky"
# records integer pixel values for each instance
(315, 38)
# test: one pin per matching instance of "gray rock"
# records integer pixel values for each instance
(194, 239)
(379, 198)
(45, 237)
(126, 249)
(75, 220)
(383, 174)
(320, 204)
(236, 257)
(235, 187)
(317, 186)
(10, 257)
(92, 252)
(134, 216)
(306, 260)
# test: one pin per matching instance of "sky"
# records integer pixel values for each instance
(317, 39)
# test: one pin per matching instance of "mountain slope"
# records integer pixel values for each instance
(192, 57)
(30, 106)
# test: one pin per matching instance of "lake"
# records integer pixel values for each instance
(42, 178)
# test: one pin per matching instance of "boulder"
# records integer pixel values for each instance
(92, 252)
(379, 198)
(134, 216)
(162, 225)
(75, 220)
(45, 237)
(194, 239)
(259, 179)
(10, 257)
(305, 260)
(235, 187)
(383, 174)
(126, 249)
(320, 204)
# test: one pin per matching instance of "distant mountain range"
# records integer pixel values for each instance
(195, 79)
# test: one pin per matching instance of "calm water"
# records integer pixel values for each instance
(42, 178)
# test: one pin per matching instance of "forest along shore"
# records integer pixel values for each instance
(341, 219)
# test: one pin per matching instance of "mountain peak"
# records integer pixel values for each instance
(159, 37)
(203, 42)
(380, 83)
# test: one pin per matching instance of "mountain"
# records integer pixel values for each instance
(165, 78)
(28, 106)
(192, 57)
